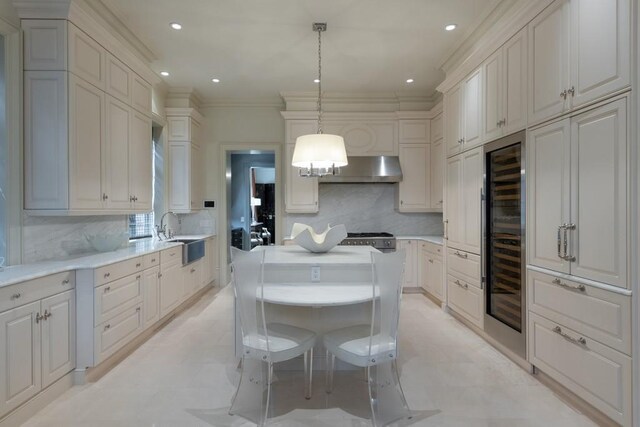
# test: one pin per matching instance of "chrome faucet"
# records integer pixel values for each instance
(162, 228)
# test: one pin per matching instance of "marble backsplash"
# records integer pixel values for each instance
(45, 238)
(366, 207)
(201, 222)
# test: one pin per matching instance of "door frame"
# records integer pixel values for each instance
(225, 175)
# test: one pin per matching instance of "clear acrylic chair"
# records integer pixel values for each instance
(263, 344)
(374, 346)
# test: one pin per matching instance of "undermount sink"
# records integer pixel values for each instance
(192, 249)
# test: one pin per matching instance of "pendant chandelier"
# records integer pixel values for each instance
(319, 154)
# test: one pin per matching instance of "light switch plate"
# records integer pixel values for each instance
(315, 274)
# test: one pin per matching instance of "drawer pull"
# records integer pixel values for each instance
(431, 261)
(138, 277)
(172, 254)
(46, 315)
(159, 275)
(138, 310)
(107, 275)
(153, 260)
(107, 289)
(138, 264)
(39, 317)
(462, 285)
(580, 288)
(65, 282)
(16, 296)
(193, 270)
(461, 255)
(579, 341)
(107, 326)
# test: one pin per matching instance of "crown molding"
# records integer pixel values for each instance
(511, 21)
(351, 101)
(183, 97)
(42, 9)
(266, 102)
(184, 111)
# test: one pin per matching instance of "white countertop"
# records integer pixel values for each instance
(340, 255)
(438, 240)
(20, 273)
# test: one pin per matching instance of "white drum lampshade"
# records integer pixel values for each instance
(319, 151)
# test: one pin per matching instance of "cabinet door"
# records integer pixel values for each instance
(180, 175)
(435, 278)
(118, 79)
(436, 128)
(453, 208)
(452, 120)
(472, 108)
(548, 62)
(86, 138)
(20, 366)
(514, 83)
(170, 287)
(151, 296)
(192, 279)
(410, 266)
(301, 194)
(414, 189)
(600, 59)
(115, 154)
(492, 99)
(599, 194)
(87, 59)
(141, 94)
(141, 162)
(195, 170)
(548, 193)
(471, 199)
(58, 336)
(437, 174)
(214, 260)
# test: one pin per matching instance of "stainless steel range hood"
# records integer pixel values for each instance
(367, 169)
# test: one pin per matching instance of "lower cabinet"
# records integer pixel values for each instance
(192, 279)
(151, 296)
(37, 344)
(431, 270)
(411, 262)
(171, 279)
(599, 374)
(112, 335)
(466, 299)
(210, 268)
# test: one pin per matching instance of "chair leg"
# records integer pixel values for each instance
(386, 397)
(252, 397)
(331, 364)
(308, 373)
(268, 401)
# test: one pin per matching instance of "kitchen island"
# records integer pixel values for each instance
(320, 292)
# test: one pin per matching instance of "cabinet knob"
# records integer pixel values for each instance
(138, 264)
(107, 326)
(65, 282)
(16, 296)
(131, 198)
(107, 289)
(563, 94)
(104, 196)
(153, 260)
(159, 275)
(138, 277)
(39, 317)
(193, 270)
(107, 275)
(46, 315)
(572, 91)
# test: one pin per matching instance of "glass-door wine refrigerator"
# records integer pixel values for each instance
(504, 242)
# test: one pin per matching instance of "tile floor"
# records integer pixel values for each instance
(186, 375)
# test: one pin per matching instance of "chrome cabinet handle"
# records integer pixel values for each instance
(446, 229)
(46, 315)
(138, 264)
(39, 317)
(138, 310)
(461, 255)
(571, 91)
(193, 270)
(159, 275)
(153, 260)
(462, 285)
(563, 94)
(16, 296)
(107, 275)
(107, 326)
(104, 196)
(567, 256)
(131, 198)
(431, 261)
(581, 288)
(138, 277)
(65, 282)
(560, 227)
(579, 341)
(107, 289)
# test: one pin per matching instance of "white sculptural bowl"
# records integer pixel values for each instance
(304, 236)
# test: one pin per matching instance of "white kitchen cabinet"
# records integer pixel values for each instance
(415, 131)
(466, 300)
(58, 336)
(437, 174)
(431, 270)
(37, 337)
(572, 65)
(115, 154)
(411, 262)
(453, 101)
(210, 269)
(186, 173)
(577, 195)
(472, 110)
(78, 125)
(463, 197)
(151, 296)
(437, 130)
(141, 95)
(141, 162)
(171, 281)
(192, 279)
(504, 89)
(301, 193)
(413, 192)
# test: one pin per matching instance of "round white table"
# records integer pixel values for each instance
(317, 295)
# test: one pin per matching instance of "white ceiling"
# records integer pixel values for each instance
(258, 48)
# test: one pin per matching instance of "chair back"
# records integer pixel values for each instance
(387, 275)
(247, 278)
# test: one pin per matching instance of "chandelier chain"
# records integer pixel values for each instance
(319, 81)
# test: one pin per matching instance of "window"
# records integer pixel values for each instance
(141, 225)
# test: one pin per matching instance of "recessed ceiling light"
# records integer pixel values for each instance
(409, 80)
(176, 26)
(450, 27)
(215, 80)
(316, 80)
(164, 73)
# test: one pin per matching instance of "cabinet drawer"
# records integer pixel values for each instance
(464, 265)
(170, 256)
(115, 297)
(595, 372)
(117, 270)
(36, 289)
(114, 334)
(432, 248)
(151, 260)
(466, 300)
(602, 315)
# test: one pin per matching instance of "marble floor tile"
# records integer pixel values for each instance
(187, 373)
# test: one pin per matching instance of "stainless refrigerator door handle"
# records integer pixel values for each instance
(560, 227)
(567, 256)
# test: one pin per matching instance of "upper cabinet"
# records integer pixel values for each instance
(579, 52)
(437, 162)
(301, 193)
(463, 114)
(186, 160)
(84, 135)
(504, 89)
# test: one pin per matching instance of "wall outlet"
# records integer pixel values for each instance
(241, 219)
(315, 274)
